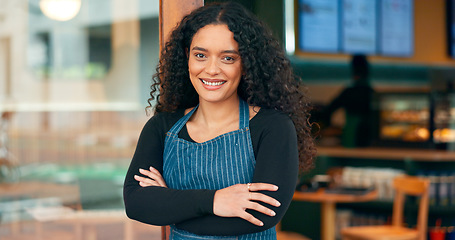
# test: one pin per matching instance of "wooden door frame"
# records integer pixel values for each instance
(171, 12)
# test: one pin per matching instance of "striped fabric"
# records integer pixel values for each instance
(215, 164)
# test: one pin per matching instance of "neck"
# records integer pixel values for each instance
(215, 114)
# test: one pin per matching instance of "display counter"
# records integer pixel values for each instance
(383, 153)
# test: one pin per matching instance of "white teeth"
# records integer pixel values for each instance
(213, 83)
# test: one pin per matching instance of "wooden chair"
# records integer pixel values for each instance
(403, 185)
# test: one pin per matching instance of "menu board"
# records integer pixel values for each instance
(319, 23)
(359, 26)
(396, 33)
(372, 27)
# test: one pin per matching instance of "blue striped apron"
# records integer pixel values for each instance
(218, 163)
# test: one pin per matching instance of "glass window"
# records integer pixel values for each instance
(72, 99)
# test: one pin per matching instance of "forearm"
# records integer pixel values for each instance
(164, 206)
(214, 225)
(159, 205)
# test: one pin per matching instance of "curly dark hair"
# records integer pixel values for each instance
(268, 79)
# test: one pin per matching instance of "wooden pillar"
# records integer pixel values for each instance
(5, 66)
(171, 12)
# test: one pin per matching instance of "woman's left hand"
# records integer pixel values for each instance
(153, 178)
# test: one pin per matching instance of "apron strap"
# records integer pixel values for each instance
(244, 118)
(182, 121)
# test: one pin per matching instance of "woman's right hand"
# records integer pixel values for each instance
(234, 200)
(153, 178)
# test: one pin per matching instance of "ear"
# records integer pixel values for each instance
(187, 54)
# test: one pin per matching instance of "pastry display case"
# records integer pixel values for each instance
(403, 119)
(425, 120)
(443, 124)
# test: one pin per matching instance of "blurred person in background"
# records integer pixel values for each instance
(356, 100)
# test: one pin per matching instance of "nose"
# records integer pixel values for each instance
(212, 67)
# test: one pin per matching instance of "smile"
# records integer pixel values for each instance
(217, 83)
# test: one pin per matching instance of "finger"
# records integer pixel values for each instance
(159, 178)
(258, 207)
(152, 169)
(143, 184)
(149, 184)
(262, 187)
(264, 198)
(154, 175)
(145, 181)
(142, 179)
(145, 172)
(251, 219)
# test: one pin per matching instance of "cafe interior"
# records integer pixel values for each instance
(75, 78)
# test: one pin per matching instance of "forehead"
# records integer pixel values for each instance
(216, 37)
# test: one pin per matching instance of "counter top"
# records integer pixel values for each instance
(322, 196)
(388, 153)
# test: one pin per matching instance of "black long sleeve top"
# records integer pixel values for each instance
(274, 143)
(355, 100)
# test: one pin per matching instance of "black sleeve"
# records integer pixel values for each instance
(158, 205)
(336, 103)
(276, 163)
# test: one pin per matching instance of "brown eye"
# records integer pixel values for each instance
(228, 59)
(199, 55)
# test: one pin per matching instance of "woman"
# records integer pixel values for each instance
(220, 157)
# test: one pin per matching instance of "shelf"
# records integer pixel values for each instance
(388, 205)
(378, 205)
(388, 154)
(401, 122)
(442, 210)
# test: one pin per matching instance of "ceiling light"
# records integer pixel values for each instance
(60, 10)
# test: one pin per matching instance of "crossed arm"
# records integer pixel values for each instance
(227, 202)
(230, 211)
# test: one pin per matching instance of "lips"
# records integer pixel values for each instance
(212, 83)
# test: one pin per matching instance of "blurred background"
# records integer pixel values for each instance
(74, 84)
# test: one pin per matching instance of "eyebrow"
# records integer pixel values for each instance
(224, 51)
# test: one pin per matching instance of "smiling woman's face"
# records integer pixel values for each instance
(214, 64)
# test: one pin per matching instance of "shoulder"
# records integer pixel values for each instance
(271, 116)
(270, 120)
(270, 129)
(163, 121)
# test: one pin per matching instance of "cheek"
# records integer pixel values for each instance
(235, 72)
(194, 67)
